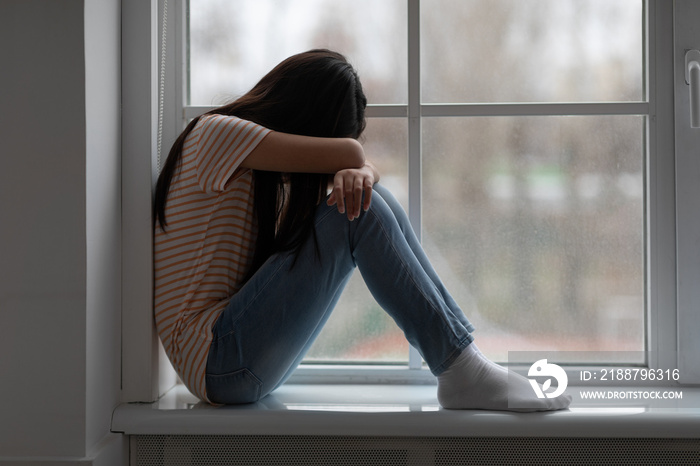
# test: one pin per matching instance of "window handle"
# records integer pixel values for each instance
(692, 78)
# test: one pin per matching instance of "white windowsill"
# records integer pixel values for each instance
(396, 410)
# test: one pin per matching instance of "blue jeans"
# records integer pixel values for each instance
(269, 325)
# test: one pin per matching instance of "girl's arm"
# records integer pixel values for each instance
(344, 157)
(291, 153)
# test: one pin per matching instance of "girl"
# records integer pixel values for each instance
(252, 253)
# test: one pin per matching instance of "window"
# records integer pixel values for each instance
(557, 213)
(529, 141)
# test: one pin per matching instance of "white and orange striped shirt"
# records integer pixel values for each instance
(202, 257)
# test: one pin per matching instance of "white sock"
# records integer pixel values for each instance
(474, 382)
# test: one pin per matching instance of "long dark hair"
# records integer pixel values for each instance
(315, 93)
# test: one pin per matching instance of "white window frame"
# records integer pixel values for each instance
(153, 75)
(687, 142)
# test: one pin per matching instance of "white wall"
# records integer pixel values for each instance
(59, 231)
(103, 211)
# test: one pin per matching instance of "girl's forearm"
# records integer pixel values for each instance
(283, 152)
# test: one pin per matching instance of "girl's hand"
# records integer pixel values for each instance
(348, 187)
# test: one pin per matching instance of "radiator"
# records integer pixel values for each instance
(173, 450)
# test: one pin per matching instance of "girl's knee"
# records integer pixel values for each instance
(386, 200)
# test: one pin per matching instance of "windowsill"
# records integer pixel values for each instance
(396, 410)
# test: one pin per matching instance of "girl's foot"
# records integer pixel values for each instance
(474, 382)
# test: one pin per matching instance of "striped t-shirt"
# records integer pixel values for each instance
(202, 257)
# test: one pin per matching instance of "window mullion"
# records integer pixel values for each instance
(414, 115)
(373, 111)
(534, 109)
(414, 137)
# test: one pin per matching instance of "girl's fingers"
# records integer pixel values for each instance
(347, 193)
(350, 200)
(338, 196)
(357, 201)
(368, 198)
(331, 199)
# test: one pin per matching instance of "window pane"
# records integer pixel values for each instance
(531, 51)
(359, 330)
(232, 44)
(536, 225)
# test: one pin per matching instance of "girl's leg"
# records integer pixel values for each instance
(272, 320)
(312, 337)
(269, 325)
(418, 251)
(401, 279)
(471, 380)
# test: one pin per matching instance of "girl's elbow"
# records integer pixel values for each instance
(356, 157)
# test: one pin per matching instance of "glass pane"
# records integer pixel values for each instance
(232, 44)
(537, 226)
(532, 51)
(358, 329)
